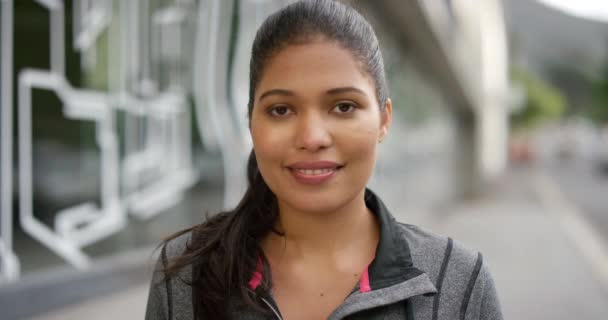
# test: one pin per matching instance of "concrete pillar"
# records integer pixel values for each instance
(465, 179)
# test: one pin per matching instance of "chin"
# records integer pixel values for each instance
(319, 201)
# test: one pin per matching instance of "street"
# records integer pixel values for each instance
(582, 182)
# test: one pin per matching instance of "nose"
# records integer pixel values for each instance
(312, 133)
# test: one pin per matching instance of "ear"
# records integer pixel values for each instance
(386, 117)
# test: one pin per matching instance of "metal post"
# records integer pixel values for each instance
(9, 262)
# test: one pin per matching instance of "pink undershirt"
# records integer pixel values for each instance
(256, 279)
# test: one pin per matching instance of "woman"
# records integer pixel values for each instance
(308, 240)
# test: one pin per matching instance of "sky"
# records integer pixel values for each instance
(590, 9)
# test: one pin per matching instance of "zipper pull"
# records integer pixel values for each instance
(273, 308)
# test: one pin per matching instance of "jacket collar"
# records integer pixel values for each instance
(393, 262)
(391, 277)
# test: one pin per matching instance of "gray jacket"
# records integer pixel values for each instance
(415, 275)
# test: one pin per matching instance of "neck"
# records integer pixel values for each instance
(324, 234)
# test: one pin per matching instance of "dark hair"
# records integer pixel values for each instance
(304, 21)
(224, 251)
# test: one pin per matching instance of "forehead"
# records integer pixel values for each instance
(314, 65)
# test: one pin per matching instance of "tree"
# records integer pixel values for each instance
(543, 102)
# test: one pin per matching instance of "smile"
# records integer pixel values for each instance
(317, 172)
(314, 172)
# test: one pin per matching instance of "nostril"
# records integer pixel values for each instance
(314, 138)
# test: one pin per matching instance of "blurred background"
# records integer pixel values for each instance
(125, 121)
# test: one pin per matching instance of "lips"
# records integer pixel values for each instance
(314, 172)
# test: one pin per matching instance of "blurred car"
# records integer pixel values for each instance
(521, 151)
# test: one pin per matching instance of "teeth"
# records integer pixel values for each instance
(315, 172)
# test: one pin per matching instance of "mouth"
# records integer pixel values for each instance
(314, 172)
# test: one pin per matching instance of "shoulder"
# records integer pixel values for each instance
(168, 251)
(176, 246)
(170, 294)
(460, 274)
(434, 253)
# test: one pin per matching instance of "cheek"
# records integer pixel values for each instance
(360, 141)
(269, 145)
(365, 147)
(366, 131)
(265, 136)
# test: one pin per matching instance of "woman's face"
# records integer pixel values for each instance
(315, 125)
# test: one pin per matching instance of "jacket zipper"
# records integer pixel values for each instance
(275, 311)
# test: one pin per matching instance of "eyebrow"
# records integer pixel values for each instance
(287, 93)
(345, 90)
(278, 92)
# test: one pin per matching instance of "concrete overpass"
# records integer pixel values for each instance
(462, 47)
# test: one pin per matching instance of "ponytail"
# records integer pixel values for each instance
(224, 250)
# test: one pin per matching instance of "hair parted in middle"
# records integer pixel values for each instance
(306, 21)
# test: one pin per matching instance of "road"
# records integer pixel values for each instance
(586, 186)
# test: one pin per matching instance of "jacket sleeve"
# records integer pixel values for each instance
(484, 303)
(157, 308)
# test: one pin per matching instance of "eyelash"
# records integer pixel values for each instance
(272, 110)
(352, 106)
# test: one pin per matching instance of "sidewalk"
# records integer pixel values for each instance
(129, 304)
(539, 271)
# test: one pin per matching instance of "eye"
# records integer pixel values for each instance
(344, 107)
(279, 111)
